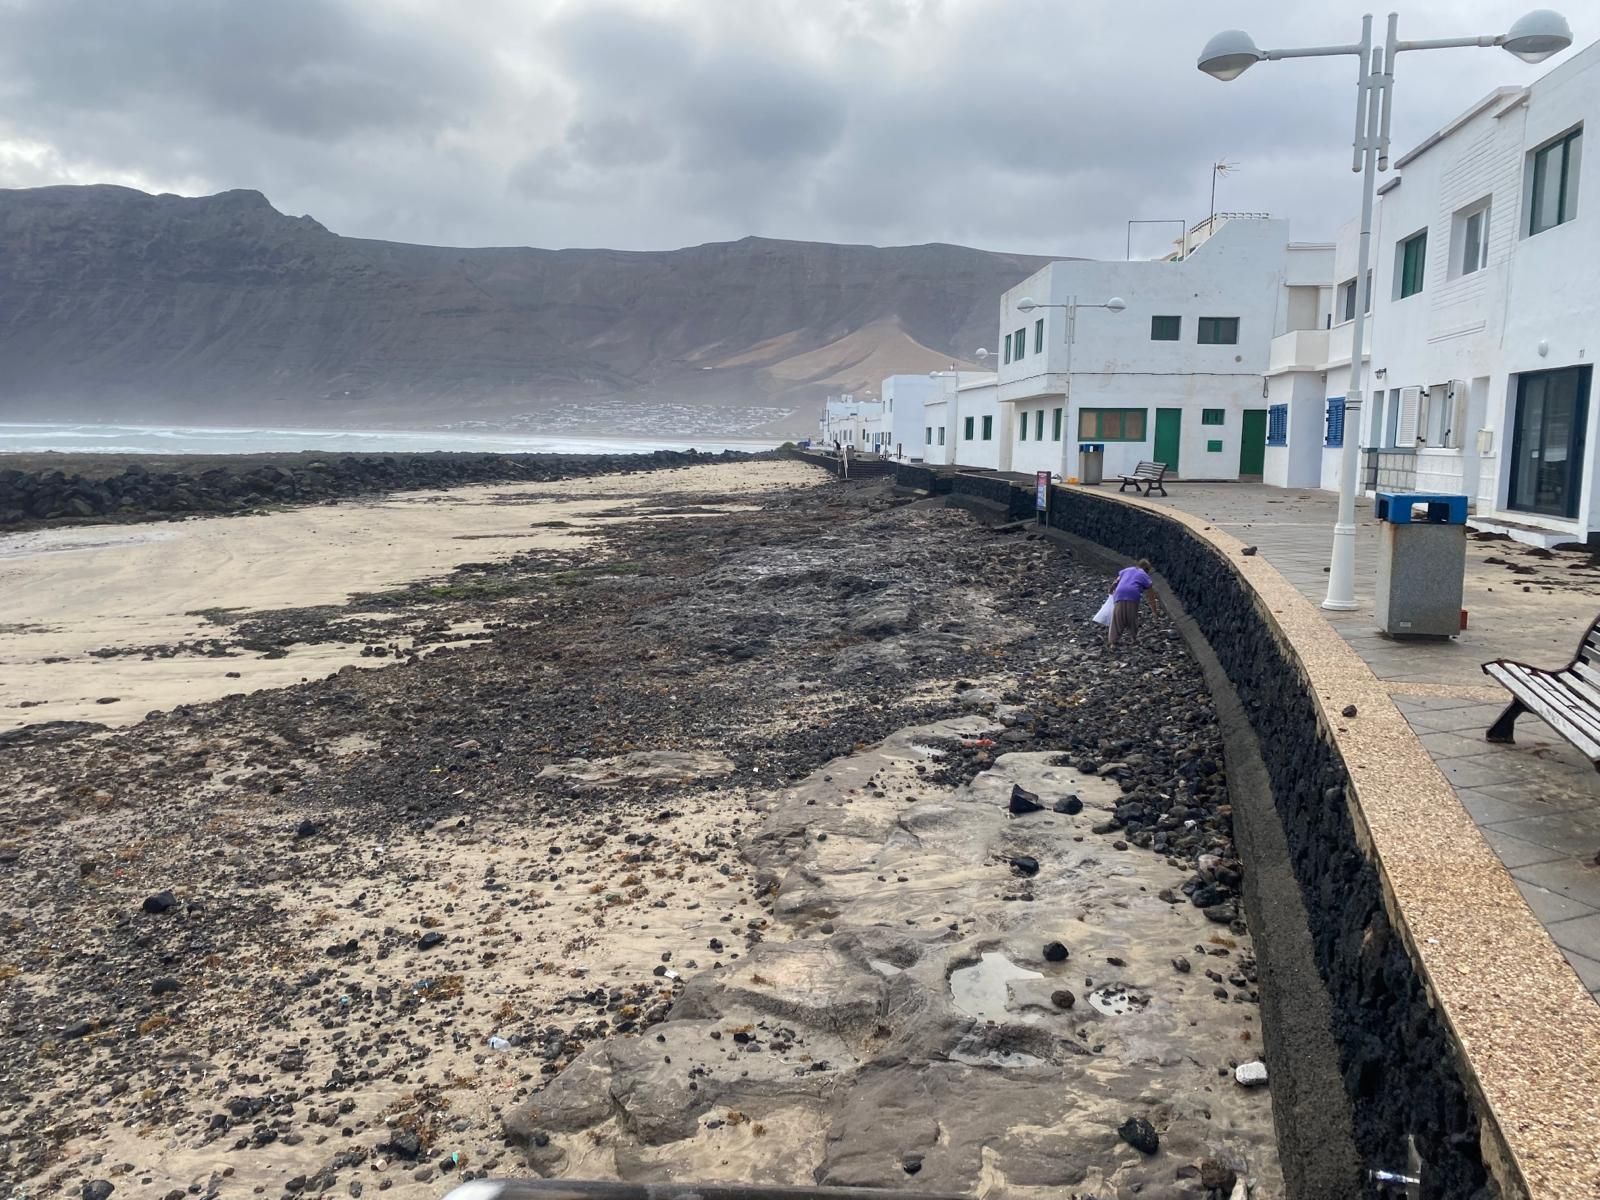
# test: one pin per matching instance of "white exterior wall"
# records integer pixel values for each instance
(1298, 463)
(936, 416)
(1241, 272)
(1553, 285)
(904, 397)
(1450, 330)
(1531, 307)
(1034, 454)
(977, 401)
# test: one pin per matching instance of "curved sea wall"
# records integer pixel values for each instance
(1400, 1067)
(29, 498)
(1462, 1036)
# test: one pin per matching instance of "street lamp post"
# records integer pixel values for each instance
(1532, 38)
(1116, 304)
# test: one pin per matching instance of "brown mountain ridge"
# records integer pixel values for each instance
(122, 306)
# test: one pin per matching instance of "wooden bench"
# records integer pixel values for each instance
(1567, 700)
(1150, 474)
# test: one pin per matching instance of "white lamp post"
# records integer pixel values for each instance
(1533, 38)
(1116, 304)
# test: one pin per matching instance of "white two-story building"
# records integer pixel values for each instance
(904, 401)
(960, 420)
(1484, 317)
(1177, 377)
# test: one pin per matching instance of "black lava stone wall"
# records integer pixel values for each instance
(924, 479)
(35, 497)
(1399, 1063)
(1017, 501)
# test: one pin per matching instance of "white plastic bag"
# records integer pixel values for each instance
(1103, 617)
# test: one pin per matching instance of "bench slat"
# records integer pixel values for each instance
(1550, 693)
(1586, 687)
(1582, 675)
(1559, 707)
(1555, 690)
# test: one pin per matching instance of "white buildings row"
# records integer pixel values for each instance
(1484, 308)
(1233, 361)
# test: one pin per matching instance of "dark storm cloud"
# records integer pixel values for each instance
(309, 68)
(1035, 125)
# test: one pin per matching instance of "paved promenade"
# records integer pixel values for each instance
(1537, 802)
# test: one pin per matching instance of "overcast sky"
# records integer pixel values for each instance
(1039, 126)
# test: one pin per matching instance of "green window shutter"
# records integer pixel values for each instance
(988, 429)
(966, 429)
(1022, 428)
(1038, 426)
(1166, 329)
(1055, 426)
(1038, 336)
(1218, 331)
(1214, 447)
(1413, 263)
(1212, 416)
(1008, 348)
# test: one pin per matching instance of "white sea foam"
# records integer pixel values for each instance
(167, 439)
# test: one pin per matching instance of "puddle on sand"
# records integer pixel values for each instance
(975, 1056)
(1113, 1001)
(984, 988)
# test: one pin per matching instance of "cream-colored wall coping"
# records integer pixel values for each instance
(1528, 1031)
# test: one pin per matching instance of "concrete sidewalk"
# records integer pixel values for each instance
(1537, 802)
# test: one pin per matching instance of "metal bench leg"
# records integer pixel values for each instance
(1501, 730)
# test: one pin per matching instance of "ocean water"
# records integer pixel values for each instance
(175, 439)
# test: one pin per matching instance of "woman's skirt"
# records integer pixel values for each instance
(1124, 619)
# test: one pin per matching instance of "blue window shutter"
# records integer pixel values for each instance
(1335, 434)
(1278, 425)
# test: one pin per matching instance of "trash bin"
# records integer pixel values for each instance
(1091, 462)
(1422, 561)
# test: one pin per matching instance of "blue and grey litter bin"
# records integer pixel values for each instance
(1422, 561)
(1091, 462)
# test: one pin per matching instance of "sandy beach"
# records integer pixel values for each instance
(67, 593)
(693, 813)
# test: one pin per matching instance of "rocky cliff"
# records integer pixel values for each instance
(119, 305)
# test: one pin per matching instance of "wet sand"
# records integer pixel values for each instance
(66, 593)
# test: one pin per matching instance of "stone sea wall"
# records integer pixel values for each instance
(39, 497)
(1017, 500)
(1401, 1067)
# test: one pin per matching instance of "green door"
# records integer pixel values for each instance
(1253, 443)
(1169, 424)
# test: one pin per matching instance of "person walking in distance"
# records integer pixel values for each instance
(1132, 585)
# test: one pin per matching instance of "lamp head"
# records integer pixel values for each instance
(1026, 304)
(1116, 304)
(1229, 55)
(981, 355)
(1536, 36)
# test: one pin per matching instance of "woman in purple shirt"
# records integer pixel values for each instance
(1133, 584)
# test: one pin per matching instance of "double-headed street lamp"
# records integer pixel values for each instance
(1231, 53)
(1116, 304)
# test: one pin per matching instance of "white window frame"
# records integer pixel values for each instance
(1572, 156)
(1462, 247)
